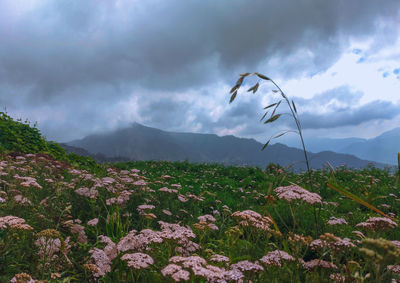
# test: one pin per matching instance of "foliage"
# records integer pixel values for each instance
(59, 206)
(274, 106)
(22, 137)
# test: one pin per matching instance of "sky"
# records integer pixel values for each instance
(81, 67)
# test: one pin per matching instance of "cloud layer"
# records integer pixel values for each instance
(85, 60)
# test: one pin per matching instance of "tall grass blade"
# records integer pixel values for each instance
(358, 200)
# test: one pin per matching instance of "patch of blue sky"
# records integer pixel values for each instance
(361, 60)
(396, 71)
(357, 51)
(385, 74)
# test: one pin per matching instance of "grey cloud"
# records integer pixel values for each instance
(176, 44)
(82, 58)
(164, 112)
(376, 110)
(342, 95)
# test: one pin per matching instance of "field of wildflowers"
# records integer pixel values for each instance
(171, 222)
(65, 218)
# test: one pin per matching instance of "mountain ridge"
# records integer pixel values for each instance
(139, 142)
(382, 148)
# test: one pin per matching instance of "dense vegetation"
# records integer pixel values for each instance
(67, 219)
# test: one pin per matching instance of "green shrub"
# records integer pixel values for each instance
(21, 136)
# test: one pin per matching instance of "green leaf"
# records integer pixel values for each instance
(263, 77)
(233, 97)
(271, 105)
(358, 200)
(245, 74)
(272, 119)
(239, 82)
(266, 144)
(264, 116)
(294, 107)
(254, 88)
(276, 107)
(233, 89)
(281, 134)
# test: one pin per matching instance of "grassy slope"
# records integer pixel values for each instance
(208, 189)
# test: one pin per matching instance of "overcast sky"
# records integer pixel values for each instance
(78, 67)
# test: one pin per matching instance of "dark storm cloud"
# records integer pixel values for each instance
(83, 58)
(342, 109)
(174, 44)
(165, 111)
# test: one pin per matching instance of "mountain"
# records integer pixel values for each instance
(97, 157)
(139, 142)
(383, 148)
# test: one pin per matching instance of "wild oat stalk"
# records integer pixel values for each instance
(273, 117)
(398, 170)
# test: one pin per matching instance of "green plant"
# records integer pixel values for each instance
(274, 106)
(274, 117)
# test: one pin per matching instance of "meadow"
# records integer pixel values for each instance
(65, 218)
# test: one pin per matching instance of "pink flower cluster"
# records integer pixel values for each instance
(318, 263)
(28, 182)
(336, 221)
(13, 222)
(48, 248)
(254, 219)
(102, 259)
(138, 260)
(206, 222)
(76, 228)
(139, 242)
(22, 200)
(331, 242)
(181, 268)
(167, 190)
(122, 198)
(86, 192)
(93, 222)
(378, 223)
(219, 258)
(293, 192)
(276, 257)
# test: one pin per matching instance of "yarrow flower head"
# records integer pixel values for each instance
(332, 242)
(318, 263)
(93, 222)
(138, 260)
(13, 222)
(140, 241)
(336, 221)
(293, 192)
(378, 223)
(219, 258)
(247, 266)
(176, 272)
(276, 257)
(252, 218)
(22, 278)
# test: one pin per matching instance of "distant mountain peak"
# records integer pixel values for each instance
(140, 142)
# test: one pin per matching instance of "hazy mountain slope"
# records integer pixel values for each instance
(144, 143)
(323, 144)
(383, 148)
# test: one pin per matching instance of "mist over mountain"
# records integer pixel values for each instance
(383, 148)
(139, 142)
